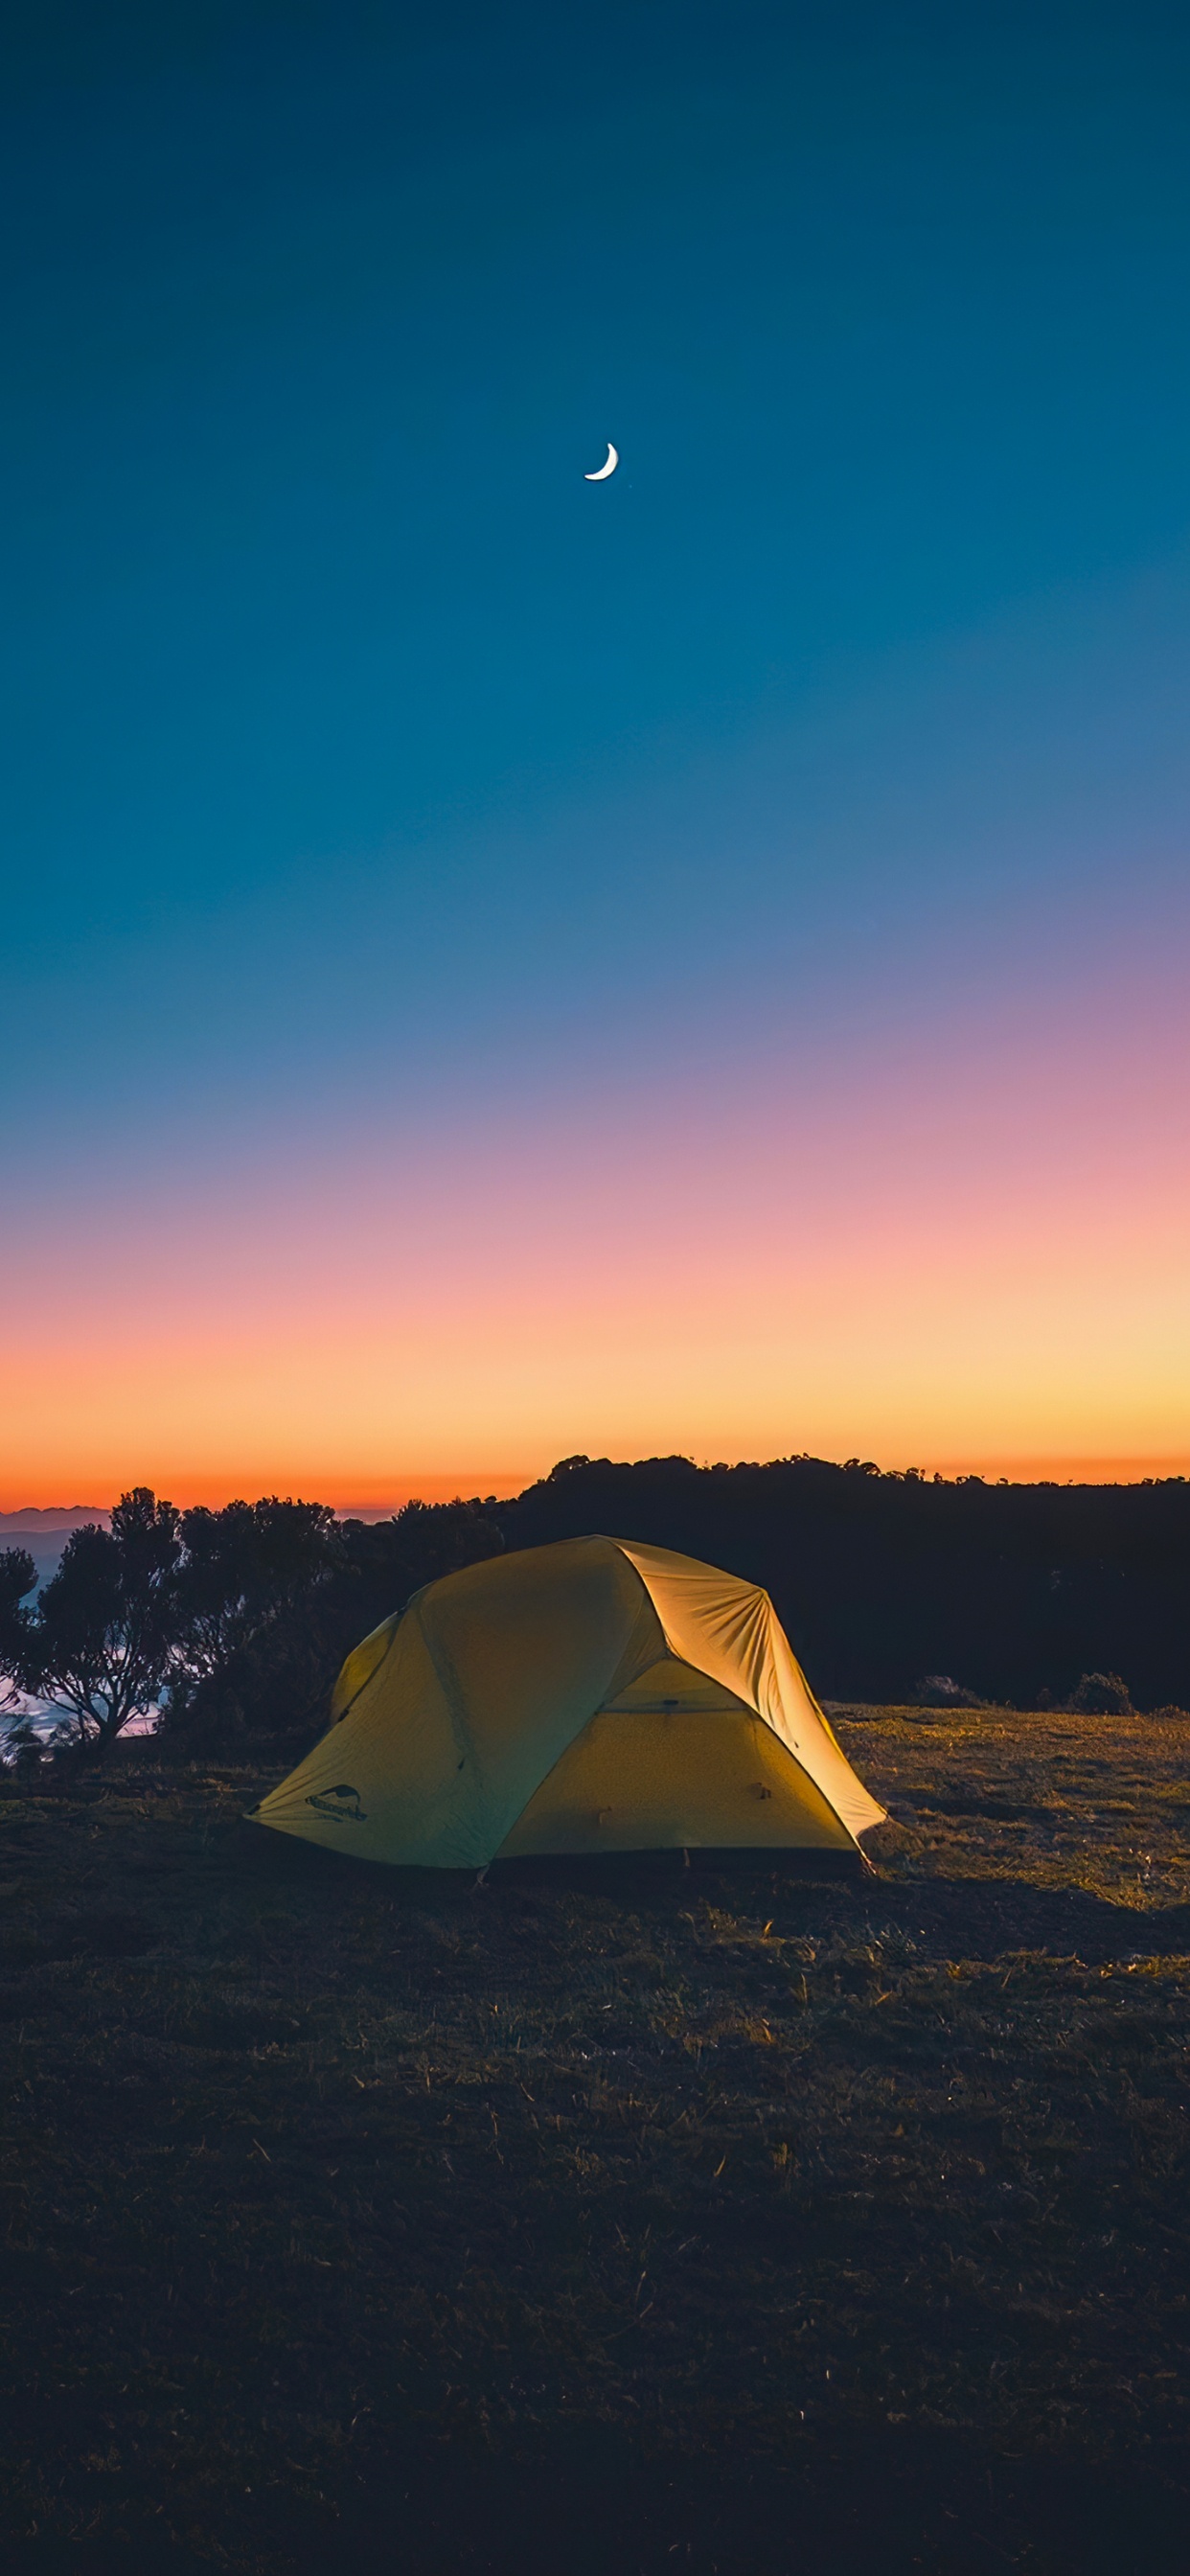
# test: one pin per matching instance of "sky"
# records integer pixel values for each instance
(495, 965)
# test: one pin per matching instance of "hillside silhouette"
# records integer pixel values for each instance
(892, 1588)
(880, 1579)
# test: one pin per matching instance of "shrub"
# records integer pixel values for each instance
(1101, 1695)
(939, 1691)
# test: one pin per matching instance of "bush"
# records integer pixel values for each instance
(939, 1691)
(1101, 1695)
(24, 1753)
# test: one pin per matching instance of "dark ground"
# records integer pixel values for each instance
(716, 2219)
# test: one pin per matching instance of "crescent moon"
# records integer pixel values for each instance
(604, 470)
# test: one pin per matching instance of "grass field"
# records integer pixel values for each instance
(708, 2218)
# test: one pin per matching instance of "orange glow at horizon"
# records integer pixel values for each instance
(982, 1274)
(392, 1493)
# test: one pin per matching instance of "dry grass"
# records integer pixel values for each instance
(319, 2179)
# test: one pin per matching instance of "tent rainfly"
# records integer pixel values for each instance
(598, 1695)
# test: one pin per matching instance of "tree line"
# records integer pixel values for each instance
(881, 1580)
(233, 1623)
(230, 1624)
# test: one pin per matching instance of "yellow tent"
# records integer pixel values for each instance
(599, 1695)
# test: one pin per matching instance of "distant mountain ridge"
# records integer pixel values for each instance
(54, 1516)
(44, 1533)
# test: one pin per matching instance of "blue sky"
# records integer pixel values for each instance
(360, 758)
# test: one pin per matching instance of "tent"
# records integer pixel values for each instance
(597, 1695)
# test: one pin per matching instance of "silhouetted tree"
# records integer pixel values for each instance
(274, 1595)
(243, 1569)
(18, 1574)
(100, 1641)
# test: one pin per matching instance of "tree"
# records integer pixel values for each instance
(243, 1569)
(250, 1587)
(101, 1641)
(272, 1596)
(18, 1574)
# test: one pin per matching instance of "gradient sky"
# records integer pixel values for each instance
(496, 965)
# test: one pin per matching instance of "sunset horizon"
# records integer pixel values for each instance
(507, 953)
(451, 1485)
